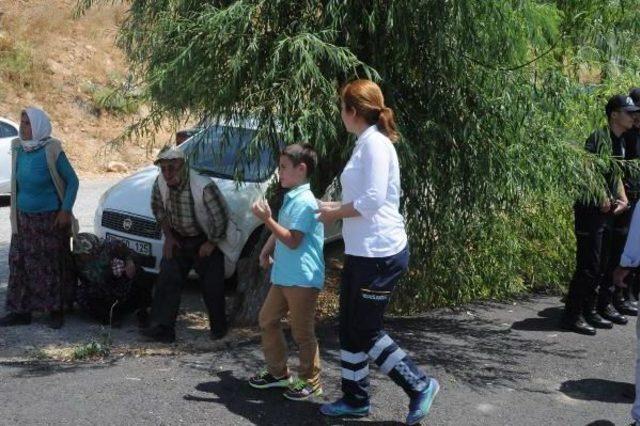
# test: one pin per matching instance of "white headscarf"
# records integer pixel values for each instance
(40, 129)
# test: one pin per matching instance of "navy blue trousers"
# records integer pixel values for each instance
(367, 284)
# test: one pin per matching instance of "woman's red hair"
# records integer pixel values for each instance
(365, 97)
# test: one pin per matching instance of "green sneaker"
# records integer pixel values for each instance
(265, 380)
(300, 390)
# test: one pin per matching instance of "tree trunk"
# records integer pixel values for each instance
(253, 281)
(253, 285)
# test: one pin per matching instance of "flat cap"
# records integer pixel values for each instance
(170, 153)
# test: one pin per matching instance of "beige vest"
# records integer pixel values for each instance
(53, 149)
(228, 246)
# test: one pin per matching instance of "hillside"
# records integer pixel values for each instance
(71, 68)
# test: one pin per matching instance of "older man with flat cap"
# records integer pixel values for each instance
(193, 216)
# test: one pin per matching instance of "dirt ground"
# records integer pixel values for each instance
(82, 339)
(62, 57)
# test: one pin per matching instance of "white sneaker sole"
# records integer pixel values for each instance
(280, 384)
(317, 392)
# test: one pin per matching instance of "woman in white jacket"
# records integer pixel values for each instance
(376, 256)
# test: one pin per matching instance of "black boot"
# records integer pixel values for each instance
(12, 319)
(625, 307)
(610, 313)
(217, 331)
(595, 320)
(217, 334)
(622, 304)
(577, 325)
(160, 333)
(626, 292)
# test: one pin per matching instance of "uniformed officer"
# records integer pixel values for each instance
(585, 309)
(622, 300)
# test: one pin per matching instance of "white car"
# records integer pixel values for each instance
(124, 210)
(8, 132)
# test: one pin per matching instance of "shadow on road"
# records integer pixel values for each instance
(601, 423)
(599, 390)
(49, 368)
(548, 320)
(473, 350)
(263, 407)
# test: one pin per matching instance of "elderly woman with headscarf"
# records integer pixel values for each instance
(43, 191)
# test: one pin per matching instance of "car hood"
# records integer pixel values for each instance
(133, 194)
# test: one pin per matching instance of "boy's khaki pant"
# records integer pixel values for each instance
(300, 303)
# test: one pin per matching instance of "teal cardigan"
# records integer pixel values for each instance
(36, 192)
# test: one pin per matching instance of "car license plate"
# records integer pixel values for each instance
(135, 245)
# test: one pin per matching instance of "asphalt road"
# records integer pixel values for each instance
(498, 364)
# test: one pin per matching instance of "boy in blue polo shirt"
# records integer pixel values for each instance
(297, 277)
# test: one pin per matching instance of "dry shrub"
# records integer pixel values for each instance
(38, 22)
(20, 66)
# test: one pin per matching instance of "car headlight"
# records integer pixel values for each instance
(97, 218)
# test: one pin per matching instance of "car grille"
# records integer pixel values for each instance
(135, 224)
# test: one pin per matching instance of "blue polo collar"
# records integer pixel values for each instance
(293, 192)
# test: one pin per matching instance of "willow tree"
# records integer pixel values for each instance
(493, 99)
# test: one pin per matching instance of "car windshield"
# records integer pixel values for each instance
(224, 152)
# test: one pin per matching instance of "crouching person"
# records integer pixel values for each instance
(297, 277)
(193, 216)
(109, 277)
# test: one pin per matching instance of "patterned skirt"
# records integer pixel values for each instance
(41, 272)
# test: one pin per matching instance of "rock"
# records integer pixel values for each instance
(6, 42)
(117, 167)
(58, 68)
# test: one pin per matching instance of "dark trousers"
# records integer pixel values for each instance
(593, 236)
(616, 239)
(367, 284)
(105, 308)
(173, 274)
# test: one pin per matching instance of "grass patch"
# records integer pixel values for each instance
(18, 63)
(97, 348)
(91, 350)
(38, 354)
(117, 97)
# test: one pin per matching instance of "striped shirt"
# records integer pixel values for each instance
(180, 210)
